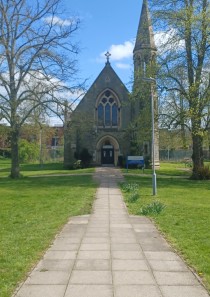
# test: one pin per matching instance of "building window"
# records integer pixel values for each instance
(100, 115)
(107, 114)
(108, 110)
(114, 114)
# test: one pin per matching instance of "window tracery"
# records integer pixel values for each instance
(108, 110)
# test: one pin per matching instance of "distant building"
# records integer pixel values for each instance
(102, 120)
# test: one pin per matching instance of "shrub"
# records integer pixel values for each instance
(147, 162)
(5, 152)
(133, 197)
(156, 207)
(129, 187)
(121, 161)
(28, 151)
(202, 173)
(84, 157)
(77, 164)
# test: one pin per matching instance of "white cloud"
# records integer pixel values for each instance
(120, 51)
(168, 41)
(123, 65)
(58, 21)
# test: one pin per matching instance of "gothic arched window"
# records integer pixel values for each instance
(108, 110)
(100, 114)
(114, 114)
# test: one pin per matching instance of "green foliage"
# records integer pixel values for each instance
(132, 189)
(133, 197)
(77, 164)
(129, 187)
(84, 156)
(155, 207)
(202, 173)
(5, 153)
(28, 151)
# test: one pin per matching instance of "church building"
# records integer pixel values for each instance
(110, 121)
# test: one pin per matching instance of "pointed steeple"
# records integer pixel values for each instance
(145, 36)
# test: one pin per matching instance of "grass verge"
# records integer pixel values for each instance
(166, 168)
(32, 211)
(37, 169)
(184, 221)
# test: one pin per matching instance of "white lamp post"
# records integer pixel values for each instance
(154, 181)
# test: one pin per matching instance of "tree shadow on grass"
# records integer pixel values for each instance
(48, 182)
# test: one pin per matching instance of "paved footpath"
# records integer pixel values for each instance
(110, 254)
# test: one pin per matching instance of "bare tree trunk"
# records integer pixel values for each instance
(197, 156)
(15, 169)
(182, 119)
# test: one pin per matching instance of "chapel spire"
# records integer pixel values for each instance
(145, 36)
(145, 93)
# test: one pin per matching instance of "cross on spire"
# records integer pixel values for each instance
(107, 56)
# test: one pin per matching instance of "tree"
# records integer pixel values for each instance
(183, 26)
(37, 62)
(28, 151)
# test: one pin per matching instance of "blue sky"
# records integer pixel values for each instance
(106, 25)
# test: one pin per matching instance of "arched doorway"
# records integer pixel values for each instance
(107, 151)
(107, 154)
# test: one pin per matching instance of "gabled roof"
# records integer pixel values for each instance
(107, 79)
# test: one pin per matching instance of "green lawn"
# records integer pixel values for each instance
(32, 211)
(36, 169)
(166, 168)
(186, 219)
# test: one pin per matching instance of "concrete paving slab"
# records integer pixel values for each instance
(69, 234)
(137, 291)
(170, 256)
(133, 278)
(61, 255)
(96, 234)
(48, 278)
(54, 265)
(67, 240)
(95, 247)
(127, 255)
(132, 265)
(175, 278)
(60, 246)
(93, 265)
(139, 220)
(89, 291)
(148, 235)
(125, 247)
(99, 229)
(105, 255)
(121, 226)
(123, 239)
(184, 291)
(96, 240)
(91, 277)
(161, 265)
(155, 247)
(41, 291)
